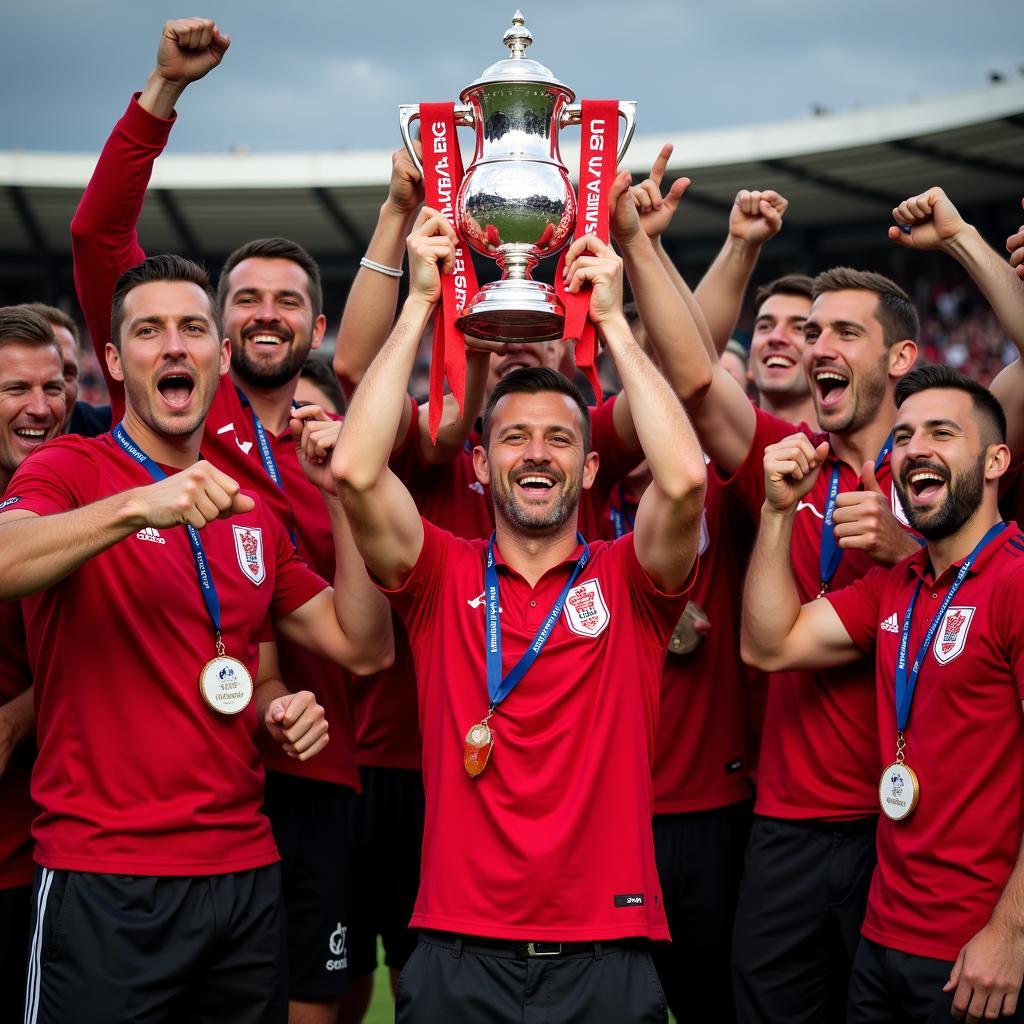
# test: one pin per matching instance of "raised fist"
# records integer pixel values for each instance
(189, 49)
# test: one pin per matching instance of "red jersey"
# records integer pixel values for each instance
(553, 840)
(941, 871)
(818, 748)
(105, 244)
(135, 774)
(16, 807)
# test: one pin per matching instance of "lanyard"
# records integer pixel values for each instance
(206, 584)
(267, 456)
(906, 681)
(622, 521)
(831, 553)
(497, 688)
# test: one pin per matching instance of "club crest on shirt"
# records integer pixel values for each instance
(586, 613)
(249, 549)
(951, 635)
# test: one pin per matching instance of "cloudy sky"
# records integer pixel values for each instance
(329, 74)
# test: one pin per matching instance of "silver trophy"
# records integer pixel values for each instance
(516, 204)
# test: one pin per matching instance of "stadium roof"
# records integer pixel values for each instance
(836, 169)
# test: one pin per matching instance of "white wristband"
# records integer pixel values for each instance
(380, 267)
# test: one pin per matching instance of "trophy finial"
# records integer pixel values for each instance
(518, 37)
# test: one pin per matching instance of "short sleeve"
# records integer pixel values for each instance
(656, 612)
(60, 476)
(294, 583)
(857, 607)
(1011, 628)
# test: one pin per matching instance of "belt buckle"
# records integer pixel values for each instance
(532, 950)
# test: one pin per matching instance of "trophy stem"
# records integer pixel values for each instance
(517, 264)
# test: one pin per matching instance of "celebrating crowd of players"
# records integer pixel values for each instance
(258, 657)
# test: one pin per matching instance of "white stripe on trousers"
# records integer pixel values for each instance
(35, 955)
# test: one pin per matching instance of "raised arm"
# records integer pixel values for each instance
(38, 551)
(935, 223)
(351, 623)
(104, 239)
(754, 219)
(385, 522)
(668, 519)
(778, 633)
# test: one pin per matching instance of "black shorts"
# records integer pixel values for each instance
(387, 826)
(474, 981)
(311, 825)
(798, 917)
(15, 929)
(112, 948)
(700, 862)
(890, 987)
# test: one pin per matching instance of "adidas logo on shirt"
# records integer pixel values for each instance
(148, 533)
(891, 624)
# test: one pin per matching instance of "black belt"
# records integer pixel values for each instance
(512, 949)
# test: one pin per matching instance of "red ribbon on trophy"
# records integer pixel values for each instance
(599, 144)
(442, 176)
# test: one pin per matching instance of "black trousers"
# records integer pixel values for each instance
(15, 918)
(798, 919)
(700, 862)
(890, 987)
(108, 949)
(454, 980)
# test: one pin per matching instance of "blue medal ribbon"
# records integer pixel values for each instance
(622, 521)
(206, 584)
(267, 455)
(906, 680)
(831, 554)
(497, 688)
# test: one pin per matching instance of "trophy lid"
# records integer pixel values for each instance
(517, 67)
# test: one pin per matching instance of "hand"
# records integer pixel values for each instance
(864, 521)
(1015, 247)
(432, 243)
(298, 723)
(195, 496)
(316, 435)
(624, 219)
(189, 49)
(405, 193)
(790, 468)
(589, 261)
(987, 974)
(934, 222)
(756, 216)
(656, 211)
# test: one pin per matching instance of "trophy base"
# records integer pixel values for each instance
(514, 310)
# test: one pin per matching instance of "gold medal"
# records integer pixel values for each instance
(685, 637)
(479, 743)
(898, 791)
(226, 685)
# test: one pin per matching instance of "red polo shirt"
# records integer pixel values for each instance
(941, 871)
(553, 840)
(818, 748)
(135, 774)
(16, 807)
(105, 243)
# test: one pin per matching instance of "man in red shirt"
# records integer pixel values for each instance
(156, 865)
(271, 295)
(944, 929)
(32, 408)
(538, 877)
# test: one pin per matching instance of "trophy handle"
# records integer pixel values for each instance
(409, 112)
(572, 114)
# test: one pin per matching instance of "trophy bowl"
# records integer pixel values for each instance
(516, 204)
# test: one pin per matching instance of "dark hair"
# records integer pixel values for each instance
(895, 311)
(533, 380)
(275, 249)
(57, 318)
(319, 370)
(789, 284)
(167, 267)
(22, 325)
(927, 378)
